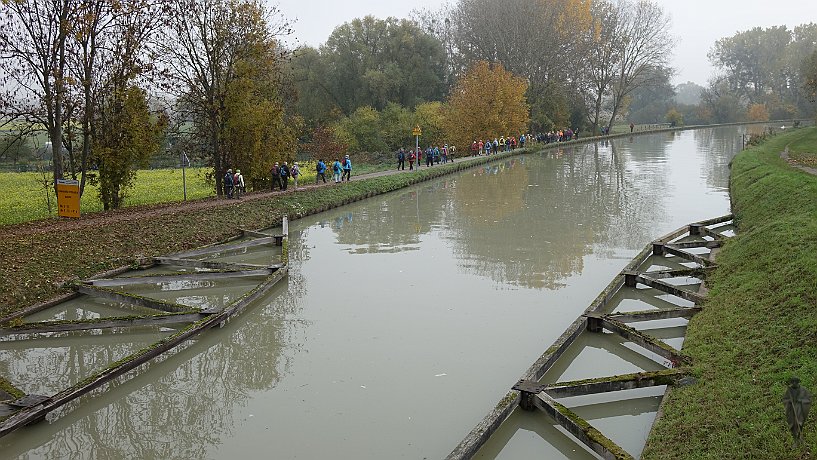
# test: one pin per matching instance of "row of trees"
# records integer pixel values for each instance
(764, 74)
(112, 82)
(581, 59)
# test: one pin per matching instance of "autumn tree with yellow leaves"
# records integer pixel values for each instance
(487, 101)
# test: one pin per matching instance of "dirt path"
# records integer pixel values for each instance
(785, 156)
(105, 218)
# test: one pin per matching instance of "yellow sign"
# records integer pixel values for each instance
(417, 131)
(68, 198)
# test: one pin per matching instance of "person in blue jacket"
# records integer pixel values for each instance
(284, 175)
(228, 184)
(336, 170)
(321, 170)
(347, 169)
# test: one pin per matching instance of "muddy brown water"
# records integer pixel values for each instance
(403, 320)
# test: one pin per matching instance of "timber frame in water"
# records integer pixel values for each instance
(21, 409)
(531, 394)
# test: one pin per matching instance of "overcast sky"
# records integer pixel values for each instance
(697, 24)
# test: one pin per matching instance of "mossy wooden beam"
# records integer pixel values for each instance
(203, 276)
(39, 307)
(226, 248)
(132, 361)
(614, 383)
(101, 323)
(716, 220)
(255, 233)
(471, 444)
(669, 288)
(699, 272)
(581, 429)
(697, 244)
(206, 264)
(132, 299)
(596, 322)
(652, 315)
(12, 391)
(669, 249)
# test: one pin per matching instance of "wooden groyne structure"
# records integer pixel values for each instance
(18, 409)
(530, 393)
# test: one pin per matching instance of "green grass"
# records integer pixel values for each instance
(759, 326)
(23, 196)
(804, 151)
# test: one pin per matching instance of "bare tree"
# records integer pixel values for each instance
(33, 43)
(643, 44)
(602, 58)
(204, 44)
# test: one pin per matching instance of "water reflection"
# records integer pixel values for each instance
(403, 317)
(180, 408)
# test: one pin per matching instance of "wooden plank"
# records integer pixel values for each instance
(477, 437)
(30, 415)
(652, 315)
(677, 273)
(614, 383)
(581, 429)
(124, 297)
(643, 340)
(9, 390)
(254, 233)
(697, 244)
(716, 220)
(207, 264)
(101, 323)
(202, 276)
(711, 233)
(687, 255)
(40, 307)
(670, 289)
(225, 248)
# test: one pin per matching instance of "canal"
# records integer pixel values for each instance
(403, 319)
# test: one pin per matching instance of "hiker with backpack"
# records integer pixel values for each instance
(320, 169)
(295, 171)
(238, 184)
(228, 184)
(284, 175)
(336, 171)
(275, 172)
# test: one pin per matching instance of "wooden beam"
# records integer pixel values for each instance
(642, 340)
(614, 383)
(652, 315)
(202, 276)
(101, 323)
(668, 249)
(711, 233)
(581, 429)
(225, 247)
(472, 442)
(699, 272)
(124, 297)
(697, 244)
(670, 289)
(207, 264)
(30, 415)
(716, 220)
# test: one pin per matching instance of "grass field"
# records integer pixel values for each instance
(23, 197)
(758, 328)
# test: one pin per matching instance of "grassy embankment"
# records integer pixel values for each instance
(23, 196)
(37, 261)
(759, 326)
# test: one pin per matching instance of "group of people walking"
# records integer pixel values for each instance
(501, 144)
(234, 184)
(432, 154)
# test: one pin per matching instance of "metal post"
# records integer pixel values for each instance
(185, 160)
